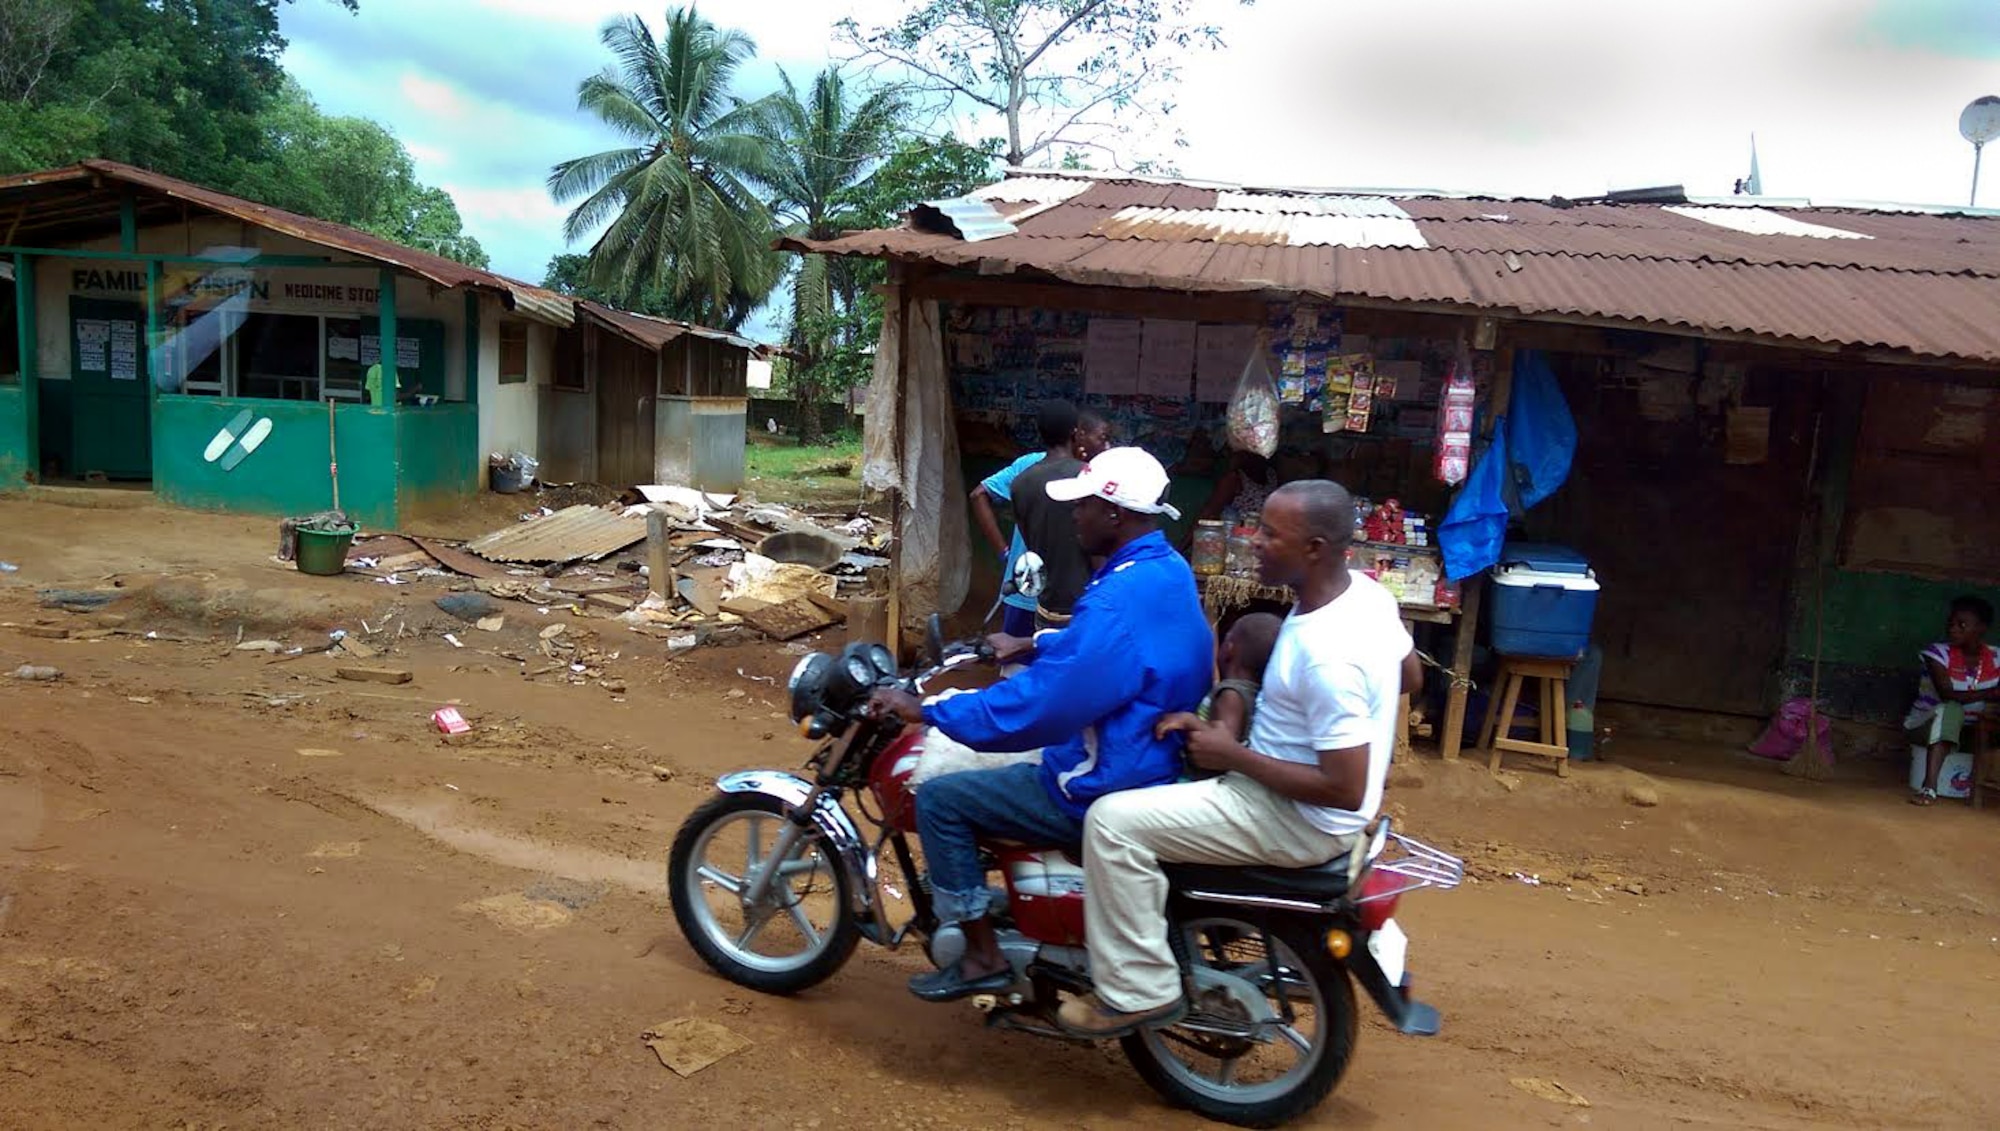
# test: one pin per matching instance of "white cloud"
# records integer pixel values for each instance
(437, 99)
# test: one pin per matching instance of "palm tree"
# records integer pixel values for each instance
(823, 149)
(688, 230)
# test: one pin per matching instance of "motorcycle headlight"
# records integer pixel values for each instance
(883, 659)
(808, 684)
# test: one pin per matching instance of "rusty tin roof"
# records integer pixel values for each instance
(579, 533)
(1925, 282)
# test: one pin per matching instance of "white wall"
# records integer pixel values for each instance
(510, 416)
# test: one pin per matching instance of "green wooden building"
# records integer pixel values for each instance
(166, 333)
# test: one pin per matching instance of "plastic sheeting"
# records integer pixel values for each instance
(932, 540)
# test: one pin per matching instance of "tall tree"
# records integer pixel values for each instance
(824, 147)
(681, 200)
(1061, 74)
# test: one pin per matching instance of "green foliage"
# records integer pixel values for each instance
(687, 223)
(1061, 74)
(193, 89)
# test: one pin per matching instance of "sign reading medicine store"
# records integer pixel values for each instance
(294, 290)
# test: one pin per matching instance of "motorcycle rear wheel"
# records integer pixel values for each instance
(808, 903)
(1319, 1035)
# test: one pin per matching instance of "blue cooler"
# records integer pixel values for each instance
(1544, 598)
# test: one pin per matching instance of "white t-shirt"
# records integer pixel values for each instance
(1333, 683)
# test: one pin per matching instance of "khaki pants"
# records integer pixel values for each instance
(1225, 820)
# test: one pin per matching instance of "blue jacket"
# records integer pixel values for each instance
(1137, 647)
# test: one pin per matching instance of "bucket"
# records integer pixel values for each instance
(1954, 777)
(323, 553)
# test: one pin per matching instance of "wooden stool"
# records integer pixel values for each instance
(1496, 734)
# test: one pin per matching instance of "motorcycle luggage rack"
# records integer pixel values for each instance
(1419, 865)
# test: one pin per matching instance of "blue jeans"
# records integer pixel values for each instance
(1017, 622)
(954, 811)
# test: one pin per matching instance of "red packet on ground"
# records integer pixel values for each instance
(450, 721)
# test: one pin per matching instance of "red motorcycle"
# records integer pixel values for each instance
(773, 883)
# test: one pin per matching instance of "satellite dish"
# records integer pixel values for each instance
(1979, 122)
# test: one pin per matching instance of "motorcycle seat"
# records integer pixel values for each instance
(1322, 883)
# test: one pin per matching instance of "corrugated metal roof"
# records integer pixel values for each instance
(535, 302)
(579, 533)
(1918, 281)
(971, 219)
(653, 332)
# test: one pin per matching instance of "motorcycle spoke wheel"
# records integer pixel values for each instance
(796, 922)
(1268, 1034)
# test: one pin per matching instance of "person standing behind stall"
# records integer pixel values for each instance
(1046, 525)
(1057, 425)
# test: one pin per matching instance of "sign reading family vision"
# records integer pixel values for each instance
(306, 291)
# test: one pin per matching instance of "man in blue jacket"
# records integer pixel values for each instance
(1136, 647)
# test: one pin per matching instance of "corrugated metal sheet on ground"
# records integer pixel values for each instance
(579, 533)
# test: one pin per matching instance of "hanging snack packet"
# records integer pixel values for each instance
(1253, 408)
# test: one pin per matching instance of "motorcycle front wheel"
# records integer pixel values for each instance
(1269, 1032)
(792, 939)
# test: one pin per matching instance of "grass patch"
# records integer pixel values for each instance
(780, 470)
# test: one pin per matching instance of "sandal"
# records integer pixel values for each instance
(1924, 797)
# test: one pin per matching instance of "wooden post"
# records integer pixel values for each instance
(659, 564)
(1449, 741)
(385, 334)
(899, 278)
(26, 352)
(1474, 589)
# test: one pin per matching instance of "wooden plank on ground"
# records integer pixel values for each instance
(795, 617)
(360, 674)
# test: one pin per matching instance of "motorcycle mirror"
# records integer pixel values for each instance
(1031, 574)
(934, 639)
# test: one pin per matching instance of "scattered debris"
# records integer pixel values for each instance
(664, 773)
(9, 567)
(34, 673)
(78, 600)
(468, 607)
(457, 560)
(375, 674)
(260, 646)
(450, 721)
(493, 623)
(1642, 795)
(452, 640)
(314, 752)
(1549, 1090)
(689, 1044)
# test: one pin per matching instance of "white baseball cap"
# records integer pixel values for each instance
(1129, 478)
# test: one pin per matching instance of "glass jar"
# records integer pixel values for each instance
(1211, 548)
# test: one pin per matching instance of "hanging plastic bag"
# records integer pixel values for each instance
(1456, 410)
(1253, 408)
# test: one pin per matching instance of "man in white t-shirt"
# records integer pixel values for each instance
(1297, 794)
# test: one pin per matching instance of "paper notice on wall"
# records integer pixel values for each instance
(124, 355)
(93, 339)
(1749, 437)
(371, 349)
(407, 353)
(1111, 357)
(343, 349)
(1166, 357)
(1220, 353)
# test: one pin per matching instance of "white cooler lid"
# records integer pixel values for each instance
(1523, 578)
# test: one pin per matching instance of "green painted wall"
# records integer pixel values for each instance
(1882, 619)
(287, 474)
(14, 447)
(438, 457)
(54, 410)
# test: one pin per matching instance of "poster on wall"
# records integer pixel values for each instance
(124, 351)
(1111, 357)
(1220, 353)
(93, 340)
(408, 354)
(1166, 357)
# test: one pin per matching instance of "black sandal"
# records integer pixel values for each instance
(950, 983)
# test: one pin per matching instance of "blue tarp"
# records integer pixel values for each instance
(1528, 459)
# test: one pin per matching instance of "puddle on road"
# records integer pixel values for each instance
(435, 820)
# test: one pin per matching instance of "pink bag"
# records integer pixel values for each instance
(1787, 732)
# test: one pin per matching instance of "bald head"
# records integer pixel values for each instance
(1325, 509)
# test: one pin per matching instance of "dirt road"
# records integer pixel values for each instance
(242, 893)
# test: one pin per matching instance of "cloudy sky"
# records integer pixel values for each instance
(1849, 99)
